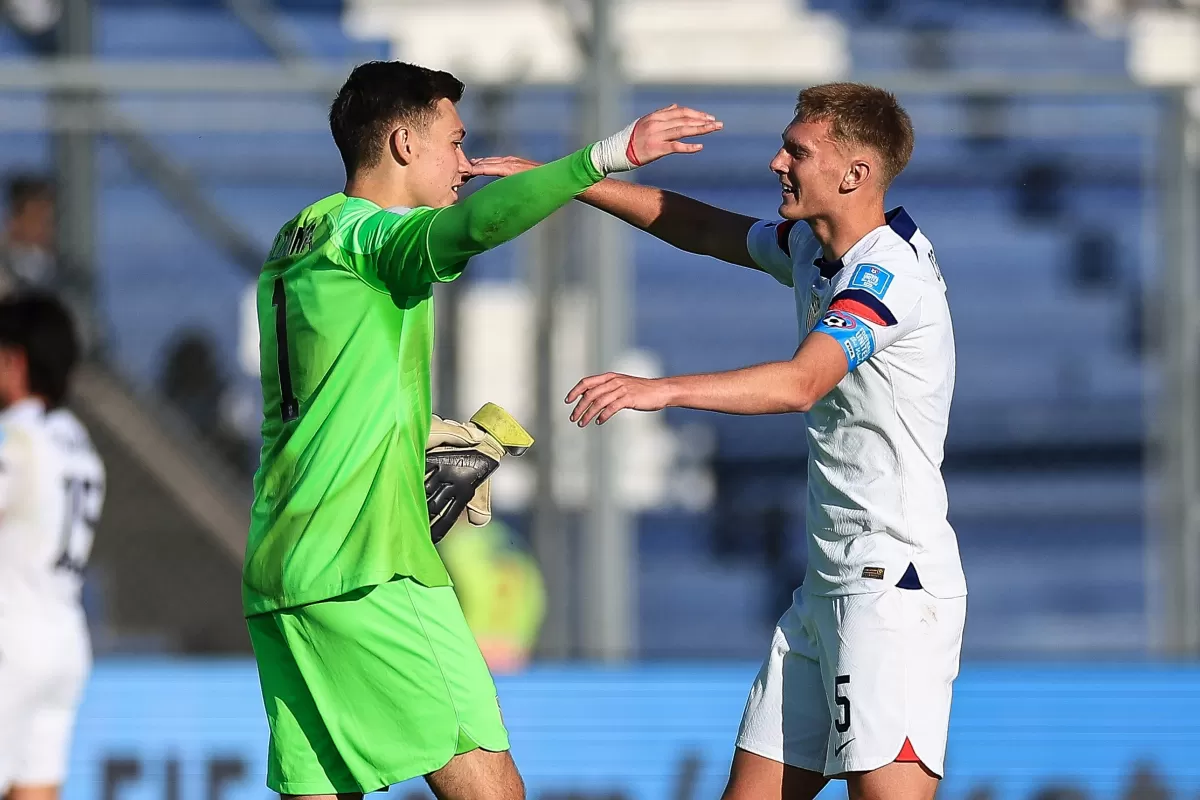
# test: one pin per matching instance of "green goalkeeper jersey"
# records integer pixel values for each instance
(345, 312)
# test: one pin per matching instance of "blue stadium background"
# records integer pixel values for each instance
(1047, 242)
(1044, 214)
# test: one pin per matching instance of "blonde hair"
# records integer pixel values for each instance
(864, 115)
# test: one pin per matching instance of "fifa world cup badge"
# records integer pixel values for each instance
(871, 278)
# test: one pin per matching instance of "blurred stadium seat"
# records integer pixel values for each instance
(1045, 209)
(1033, 344)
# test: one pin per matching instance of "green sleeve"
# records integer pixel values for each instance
(503, 210)
(388, 250)
(405, 250)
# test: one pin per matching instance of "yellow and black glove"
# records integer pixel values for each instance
(459, 461)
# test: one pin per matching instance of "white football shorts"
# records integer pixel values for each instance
(850, 678)
(42, 674)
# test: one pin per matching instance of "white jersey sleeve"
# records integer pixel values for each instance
(873, 306)
(772, 243)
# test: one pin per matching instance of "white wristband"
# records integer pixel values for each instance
(615, 154)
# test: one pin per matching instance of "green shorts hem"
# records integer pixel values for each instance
(384, 781)
(373, 688)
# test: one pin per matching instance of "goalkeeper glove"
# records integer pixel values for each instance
(459, 461)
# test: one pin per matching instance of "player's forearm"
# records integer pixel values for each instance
(777, 387)
(508, 207)
(678, 220)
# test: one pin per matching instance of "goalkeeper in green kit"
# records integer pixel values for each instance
(369, 673)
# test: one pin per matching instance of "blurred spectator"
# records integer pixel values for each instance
(500, 588)
(27, 259)
(194, 383)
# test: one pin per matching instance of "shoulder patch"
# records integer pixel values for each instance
(871, 278)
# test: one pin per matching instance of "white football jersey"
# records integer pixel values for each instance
(51, 494)
(876, 514)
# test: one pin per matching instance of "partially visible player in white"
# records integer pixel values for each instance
(857, 682)
(51, 493)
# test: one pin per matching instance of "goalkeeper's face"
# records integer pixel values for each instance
(437, 167)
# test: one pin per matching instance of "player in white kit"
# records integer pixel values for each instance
(857, 682)
(51, 493)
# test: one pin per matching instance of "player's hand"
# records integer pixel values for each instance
(601, 396)
(659, 133)
(501, 166)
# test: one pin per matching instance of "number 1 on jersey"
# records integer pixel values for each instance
(289, 409)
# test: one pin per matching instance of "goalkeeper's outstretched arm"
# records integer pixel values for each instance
(510, 206)
(678, 220)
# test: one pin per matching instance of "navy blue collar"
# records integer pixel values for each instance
(897, 219)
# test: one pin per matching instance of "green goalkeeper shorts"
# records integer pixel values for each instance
(372, 688)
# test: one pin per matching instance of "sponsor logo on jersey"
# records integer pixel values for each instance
(839, 320)
(871, 278)
(875, 573)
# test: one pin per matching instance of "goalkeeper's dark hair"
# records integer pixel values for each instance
(41, 327)
(377, 97)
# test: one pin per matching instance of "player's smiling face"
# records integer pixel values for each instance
(810, 167)
(440, 167)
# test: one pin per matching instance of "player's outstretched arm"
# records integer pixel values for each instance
(508, 207)
(678, 220)
(777, 387)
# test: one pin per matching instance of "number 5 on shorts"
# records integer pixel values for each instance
(843, 723)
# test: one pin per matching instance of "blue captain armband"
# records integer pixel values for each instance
(855, 337)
